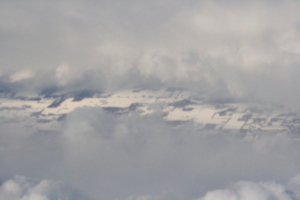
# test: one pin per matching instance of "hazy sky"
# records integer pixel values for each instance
(236, 48)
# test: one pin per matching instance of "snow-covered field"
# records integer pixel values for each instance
(174, 105)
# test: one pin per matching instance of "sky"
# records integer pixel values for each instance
(240, 49)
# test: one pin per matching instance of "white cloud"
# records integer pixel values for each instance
(23, 188)
(21, 75)
(62, 72)
(242, 48)
(244, 190)
(249, 190)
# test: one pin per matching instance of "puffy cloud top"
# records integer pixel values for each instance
(23, 188)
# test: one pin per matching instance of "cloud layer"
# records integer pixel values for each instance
(244, 49)
(247, 49)
(108, 157)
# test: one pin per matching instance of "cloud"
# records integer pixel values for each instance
(247, 49)
(145, 156)
(61, 73)
(294, 185)
(244, 190)
(23, 188)
(256, 191)
(244, 49)
(108, 157)
(21, 75)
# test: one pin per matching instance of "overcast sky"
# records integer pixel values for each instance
(235, 48)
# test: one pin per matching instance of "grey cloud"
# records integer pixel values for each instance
(244, 49)
(23, 188)
(255, 191)
(294, 185)
(108, 157)
(247, 49)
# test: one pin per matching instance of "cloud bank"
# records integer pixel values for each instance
(108, 157)
(246, 49)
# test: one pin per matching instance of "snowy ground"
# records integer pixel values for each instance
(176, 106)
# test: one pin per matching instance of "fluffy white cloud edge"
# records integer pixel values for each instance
(256, 191)
(246, 190)
(23, 188)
